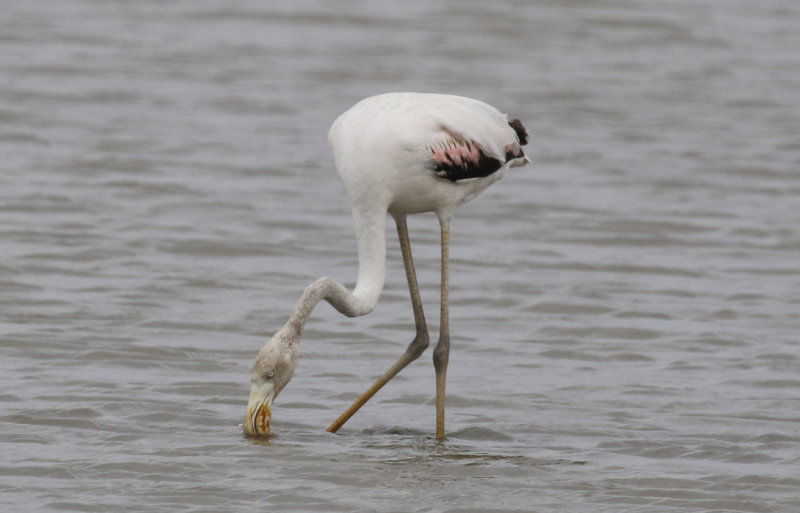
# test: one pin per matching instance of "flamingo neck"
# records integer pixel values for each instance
(371, 236)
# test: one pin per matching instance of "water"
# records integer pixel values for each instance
(624, 312)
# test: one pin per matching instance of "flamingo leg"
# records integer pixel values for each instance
(415, 348)
(441, 353)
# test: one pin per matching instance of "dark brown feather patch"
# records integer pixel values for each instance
(522, 132)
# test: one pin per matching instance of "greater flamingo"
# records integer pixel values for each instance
(401, 154)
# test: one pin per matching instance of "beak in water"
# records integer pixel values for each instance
(259, 412)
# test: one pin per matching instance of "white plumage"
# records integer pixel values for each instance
(381, 148)
(397, 154)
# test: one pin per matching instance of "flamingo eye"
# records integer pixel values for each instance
(270, 374)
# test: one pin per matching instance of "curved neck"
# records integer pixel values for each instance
(371, 236)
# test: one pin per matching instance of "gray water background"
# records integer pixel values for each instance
(624, 312)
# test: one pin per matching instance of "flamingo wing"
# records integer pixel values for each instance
(474, 141)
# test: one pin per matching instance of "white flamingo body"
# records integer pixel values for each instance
(397, 154)
(381, 147)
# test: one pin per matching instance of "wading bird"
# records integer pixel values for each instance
(397, 154)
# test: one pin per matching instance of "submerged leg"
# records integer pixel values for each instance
(415, 348)
(441, 353)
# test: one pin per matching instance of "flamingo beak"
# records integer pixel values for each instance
(259, 408)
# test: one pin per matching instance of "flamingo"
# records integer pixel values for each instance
(397, 154)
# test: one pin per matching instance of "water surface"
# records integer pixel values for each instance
(624, 311)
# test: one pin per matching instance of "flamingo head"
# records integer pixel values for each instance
(272, 370)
